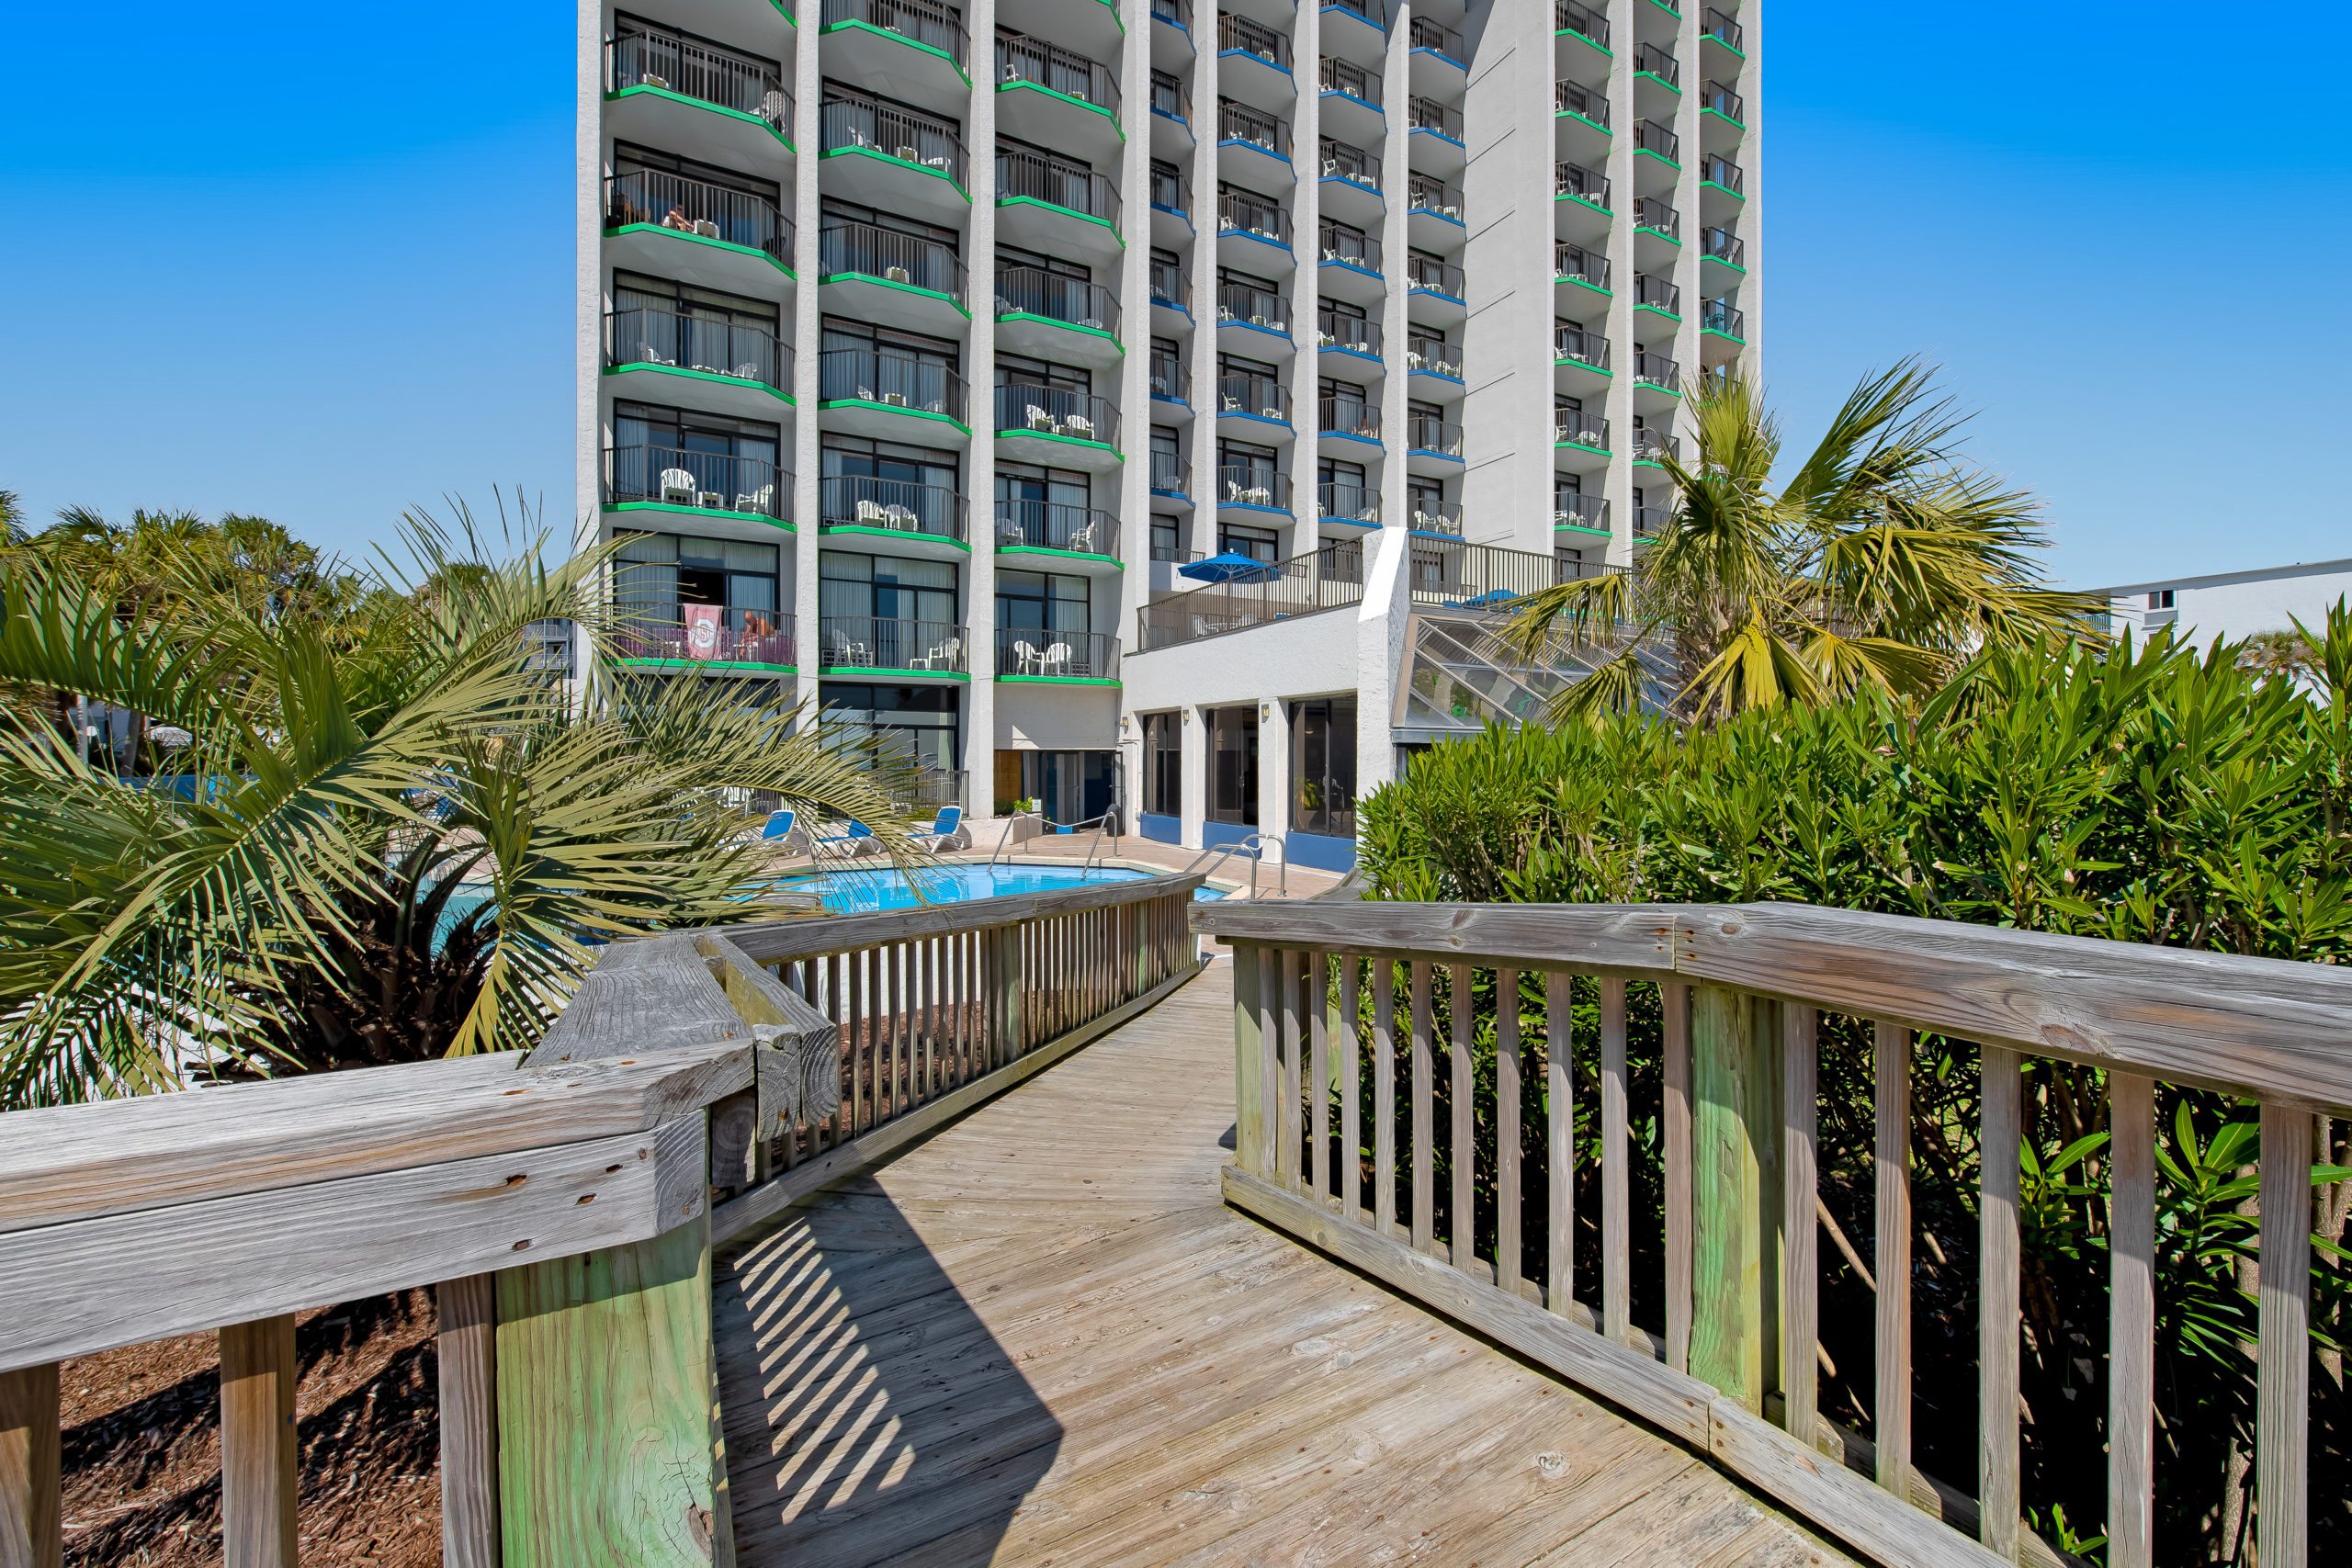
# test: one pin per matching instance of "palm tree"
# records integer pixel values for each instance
(390, 836)
(1882, 561)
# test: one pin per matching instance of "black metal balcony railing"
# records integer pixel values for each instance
(1430, 115)
(1020, 57)
(1172, 96)
(1327, 578)
(864, 501)
(1172, 191)
(1243, 485)
(849, 122)
(1350, 79)
(1258, 307)
(1333, 330)
(847, 249)
(1648, 443)
(1651, 137)
(1178, 12)
(1570, 428)
(1347, 416)
(1651, 60)
(1239, 211)
(1427, 433)
(1720, 27)
(1582, 346)
(1253, 128)
(1657, 370)
(1057, 525)
(1170, 287)
(1724, 246)
(1651, 213)
(1348, 503)
(893, 380)
(1437, 517)
(1348, 247)
(1044, 653)
(1575, 180)
(1719, 171)
(1261, 397)
(1569, 99)
(740, 636)
(1434, 355)
(711, 481)
(1427, 274)
(1023, 410)
(1725, 102)
(1033, 292)
(1575, 262)
(1057, 182)
(1572, 509)
(697, 206)
(1651, 521)
(936, 27)
(1426, 193)
(1342, 161)
(1239, 34)
(1438, 39)
(708, 72)
(1567, 16)
(876, 642)
(1372, 11)
(1723, 316)
(1171, 378)
(1170, 475)
(1657, 294)
(742, 353)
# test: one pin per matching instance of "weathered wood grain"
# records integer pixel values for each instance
(1676, 1073)
(1462, 1229)
(1560, 1114)
(1424, 1113)
(2283, 1306)
(1736, 1194)
(93, 1284)
(31, 1522)
(1616, 1282)
(1999, 1484)
(467, 1349)
(1632, 939)
(652, 994)
(1891, 1398)
(1291, 963)
(774, 941)
(260, 1475)
(2131, 1322)
(1508, 1176)
(798, 1055)
(1350, 1069)
(1383, 1094)
(1250, 1144)
(1319, 1073)
(1799, 1236)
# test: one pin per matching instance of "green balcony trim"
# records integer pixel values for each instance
(1047, 550)
(1064, 440)
(1724, 44)
(1718, 331)
(1065, 211)
(1116, 20)
(785, 12)
(1102, 333)
(1649, 463)
(896, 37)
(947, 419)
(646, 90)
(1600, 48)
(869, 671)
(1710, 185)
(877, 153)
(1735, 124)
(1561, 362)
(701, 240)
(901, 535)
(706, 665)
(1021, 82)
(673, 509)
(1579, 446)
(1662, 311)
(1659, 80)
(1056, 679)
(711, 376)
(1588, 120)
(1583, 201)
(1669, 10)
(1640, 228)
(1727, 266)
(1584, 284)
(1578, 528)
(948, 299)
(1645, 152)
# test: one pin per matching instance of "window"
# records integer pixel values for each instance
(1168, 94)
(1237, 539)
(1163, 764)
(1037, 600)
(1047, 509)
(873, 363)
(1166, 370)
(863, 480)
(636, 292)
(1167, 462)
(1012, 370)
(1168, 280)
(885, 588)
(914, 722)
(2161, 599)
(1323, 766)
(1251, 467)
(630, 159)
(1167, 538)
(680, 457)
(1166, 187)
(669, 587)
(1233, 765)
(1007, 256)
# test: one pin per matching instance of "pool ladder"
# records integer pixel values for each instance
(1254, 845)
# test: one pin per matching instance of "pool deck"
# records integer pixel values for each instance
(1129, 851)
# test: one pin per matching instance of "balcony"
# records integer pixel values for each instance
(1055, 527)
(896, 397)
(1725, 104)
(1171, 478)
(891, 278)
(699, 100)
(1327, 578)
(1351, 187)
(1580, 41)
(1349, 264)
(1579, 204)
(1579, 512)
(1580, 441)
(666, 635)
(1438, 519)
(1052, 96)
(1175, 14)
(1428, 356)
(910, 513)
(914, 51)
(1260, 400)
(1171, 194)
(1648, 444)
(1655, 294)
(1657, 232)
(1345, 427)
(1172, 115)
(1722, 316)
(1433, 213)
(1252, 145)
(1171, 382)
(1723, 188)
(1579, 282)
(1579, 361)
(701, 233)
(1658, 80)
(849, 643)
(1719, 31)
(1359, 26)
(1442, 280)
(894, 159)
(669, 478)
(1053, 205)
(1263, 225)
(1656, 371)
(748, 371)
(1033, 653)
(1649, 522)
(1350, 102)
(1348, 504)
(1657, 156)
(1246, 489)
(1252, 310)
(1723, 247)
(1435, 119)
(1047, 313)
(1438, 65)
(1432, 445)
(1340, 333)
(1057, 426)
(1171, 298)
(1253, 63)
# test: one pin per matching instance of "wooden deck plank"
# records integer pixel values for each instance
(1040, 1334)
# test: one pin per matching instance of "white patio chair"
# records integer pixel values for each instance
(679, 485)
(1056, 659)
(871, 512)
(1026, 653)
(759, 500)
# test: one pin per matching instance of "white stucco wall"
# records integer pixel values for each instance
(2233, 604)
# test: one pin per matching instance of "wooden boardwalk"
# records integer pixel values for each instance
(1041, 1338)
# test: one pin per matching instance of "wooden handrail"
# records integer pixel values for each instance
(1741, 991)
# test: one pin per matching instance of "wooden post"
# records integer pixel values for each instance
(1800, 1232)
(1007, 1000)
(31, 1525)
(1736, 1193)
(2283, 1418)
(1616, 1289)
(1250, 1145)
(1891, 1395)
(260, 1478)
(467, 1352)
(1999, 1492)
(2131, 1321)
(1674, 1004)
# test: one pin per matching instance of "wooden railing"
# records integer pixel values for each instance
(564, 1204)
(1365, 1065)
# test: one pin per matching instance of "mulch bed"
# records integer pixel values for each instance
(142, 1443)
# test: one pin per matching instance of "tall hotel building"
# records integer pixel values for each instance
(922, 346)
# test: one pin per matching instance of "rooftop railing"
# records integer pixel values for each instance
(878, 642)
(892, 380)
(1426, 351)
(1479, 577)
(852, 121)
(1244, 212)
(1573, 509)
(1024, 410)
(709, 481)
(1347, 416)
(1722, 244)
(1580, 345)
(1256, 306)
(1721, 171)
(1724, 102)
(1572, 428)
(1261, 397)
(1251, 127)
(1020, 57)
(1056, 525)
(1724, 28)
(1308, 584)
(1342, 161)
(1348, 247)
(1053, 655)
(725, 78)
(1346, 76)
(646, 336)
(1723, 316)
(1567, 16)
(1439, 38)
(1575, 262)
(1430, 115)
(1427, 274)
(1657, 370)
(1334, 329)
(1239, 34)
(697, 206)
(1033, 292)
(1656, 293)
(1428, 433)
(1651, 137)
(1569, 99)
(1652, 214)
(1575, 180)
(866, 501)
(1057, 182)
(848, 248)
(1426, 193)
(933, 25)
(734, 636)
(1651, 60)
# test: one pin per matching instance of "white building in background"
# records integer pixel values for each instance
(923, 346)
(2230, 604)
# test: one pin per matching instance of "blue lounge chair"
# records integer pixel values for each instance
(858, 840)
(785, 826)
(946, 832)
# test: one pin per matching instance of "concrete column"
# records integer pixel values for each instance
(1202, 432)
(1306, 243)
(980, 372)
(1116, 599)
(1690, 136)
(808, 361)
(1273, 767)
(1618, 484)
(1193, 735)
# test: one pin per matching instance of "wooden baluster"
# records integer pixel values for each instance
(467, 1349)
(1801, 1232)
(1424, 1117)
(2283, 1306)
(853, 1034)
(2131, 1321)
(1270, 1059)
(260, 1477)
(1616, 1285)
(1319, 1071)
(1506, 1171)
(1559, 1144)
(1891, 1403)
(32, 1533)
(1461, 1225)
(1382, 975)
(1292, 982)
(1676, 1008)
(1350, 1096)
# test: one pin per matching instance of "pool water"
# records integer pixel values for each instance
(856, 892)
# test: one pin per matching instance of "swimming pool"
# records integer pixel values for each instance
(855, 892)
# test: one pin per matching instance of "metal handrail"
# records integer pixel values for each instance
(1256, 844)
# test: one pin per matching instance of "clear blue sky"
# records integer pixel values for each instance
(316, 262)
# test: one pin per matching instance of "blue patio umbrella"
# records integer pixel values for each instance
(1491, 599)
(1231, 566)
